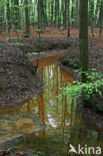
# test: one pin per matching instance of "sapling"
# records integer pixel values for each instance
(38, 47)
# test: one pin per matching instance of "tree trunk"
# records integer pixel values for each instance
(65, 14)
(96, 12)
(16, 13)
(40, 14)
(101, 19)
(91, 16)
(77, 15)
(72, 13)
(27, 22)
(68, 4)
(58, 14)
(83, 38)
(8, 22)
(52, 2)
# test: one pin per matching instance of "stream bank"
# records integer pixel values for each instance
(19, 80)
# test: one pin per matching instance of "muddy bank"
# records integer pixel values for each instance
(95, 54)
(18, 78)
(32, 45)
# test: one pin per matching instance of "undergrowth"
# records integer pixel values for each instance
(91, 91)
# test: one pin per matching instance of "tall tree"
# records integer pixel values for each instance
(40, 7)
(65, 14)
(101, 19)
(27, 20)
(77, 14)
(83, 38)
(52, 7)
(68, 5)
(16, 13)
(72, 12)
(91, 15)
(96, 12)
(8, 20)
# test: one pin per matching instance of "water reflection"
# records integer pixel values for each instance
(57, 115)
(62, 118)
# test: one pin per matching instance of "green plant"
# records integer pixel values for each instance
(33, 53)
(88, 90)
(39, 153)
(73, 62)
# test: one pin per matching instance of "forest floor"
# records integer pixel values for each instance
(17, 72)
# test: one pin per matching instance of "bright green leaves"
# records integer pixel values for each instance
(95, 81)
(34, 53)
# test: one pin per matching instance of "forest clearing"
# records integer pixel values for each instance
(51, 78)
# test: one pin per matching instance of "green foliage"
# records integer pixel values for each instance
(95, 81)
(38, 30)
(73, 62)
(34, 53)
(31, 54)
(39, 153)
(88, 89)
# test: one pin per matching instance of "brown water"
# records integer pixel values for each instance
(61, 124)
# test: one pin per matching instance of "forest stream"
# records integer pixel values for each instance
(46, 125)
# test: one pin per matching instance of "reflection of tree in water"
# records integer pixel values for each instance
(63, 118)
(84, 134)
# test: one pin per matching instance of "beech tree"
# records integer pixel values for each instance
(83, 38)
(44, 13)
(27, 19)
(8, 20)
(16, 13)
(68, 4)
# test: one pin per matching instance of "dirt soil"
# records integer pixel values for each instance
(18, 79)
(95, 53)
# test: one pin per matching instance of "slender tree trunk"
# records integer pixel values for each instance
(27, 20)
(16, 12)
(44, 16)
(91, 16)
(1, 10)
(39, 14)
(8, 22)
(72, 13)
(65, 14)
(68, 4)
(101, 19)
(77, 15)
(96, 12)
(52, 2)
(55, 13)
(58, 14)
(83, 38)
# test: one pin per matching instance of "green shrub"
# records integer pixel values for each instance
(90, 91)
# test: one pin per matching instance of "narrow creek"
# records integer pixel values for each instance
(47, 124)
